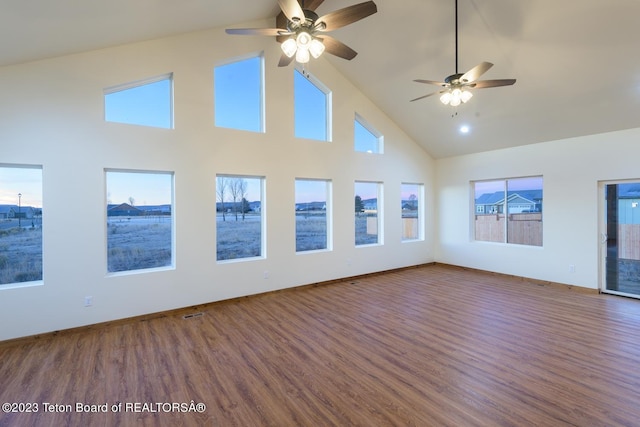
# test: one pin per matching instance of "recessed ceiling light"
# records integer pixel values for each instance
(464, 129)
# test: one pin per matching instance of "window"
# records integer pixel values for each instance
(411, 202)
(238, 94)
(509, 211)
(20, 224)
(312, 107)
(147, 103)
(239, 219)
(312, 214)
(366, 138)
(139, 220)
(368, 218)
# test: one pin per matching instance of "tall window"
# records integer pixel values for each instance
(148, 102)
(312, 107)
(139, 220)
(366, 138)
(411, 202)
(509, 211)
(368, 218)
(20, 224)
(313, 213)
(239, 94)
(239, 219)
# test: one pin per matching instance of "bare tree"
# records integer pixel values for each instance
(242, 187)
(132, 201)
(238, 189)
(221, 188)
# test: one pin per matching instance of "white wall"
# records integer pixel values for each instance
(51, 114)
(571, 170)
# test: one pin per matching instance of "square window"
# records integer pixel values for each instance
(239, 217)
(313, 214)
(139, 220)
(368, 216)
(411, 202)
(508, 211)
(20, 225)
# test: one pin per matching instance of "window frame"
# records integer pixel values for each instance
(420, 210)
(263, 222)
(172, 262)
(328, 215)
(379, 189)
(40, 281)
(499, 210)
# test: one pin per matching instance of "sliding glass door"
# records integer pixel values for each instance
(620, 238)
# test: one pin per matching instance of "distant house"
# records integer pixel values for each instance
(7, 211)
(155, 210)
(629, 204)
(517, 202)
(124, 209)
(14, 211)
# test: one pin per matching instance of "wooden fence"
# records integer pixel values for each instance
(522, 228)
(629, 241)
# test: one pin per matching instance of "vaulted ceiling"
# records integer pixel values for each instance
(576, 61)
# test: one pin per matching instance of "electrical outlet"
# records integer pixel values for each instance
(572, 268)
(266, 274)
(88, 301)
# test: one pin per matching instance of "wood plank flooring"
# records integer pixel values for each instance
(427, 346)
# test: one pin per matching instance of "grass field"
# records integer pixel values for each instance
(20, 253)
(238, 239)
(138, 243)
(311, 231)
(146, 242)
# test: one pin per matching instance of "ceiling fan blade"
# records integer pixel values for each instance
(339, 18)
(425, 96)
(285, 60)
(337, 48)
(482, 84)
(431, 82)
(292, 10)
(256, 31)
(474, 73)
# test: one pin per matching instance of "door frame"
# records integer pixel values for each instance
(603, 236)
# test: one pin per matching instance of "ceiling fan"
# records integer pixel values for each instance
(456, 85)
(303, 33)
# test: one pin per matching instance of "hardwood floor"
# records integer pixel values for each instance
(428, 346)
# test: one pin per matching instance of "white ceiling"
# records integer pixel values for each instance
(576, 62)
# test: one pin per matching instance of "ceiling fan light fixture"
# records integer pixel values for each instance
(289, 47)
(465, 96)
(302, 56)
(303, 40)
(446, 98)
(316, 47)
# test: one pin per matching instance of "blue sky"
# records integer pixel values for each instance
(148, 104)
(483, 187)
(238, 94)
(365, 140)
(310, 190)
(24, 180)
(366, 190)
(146, 188)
